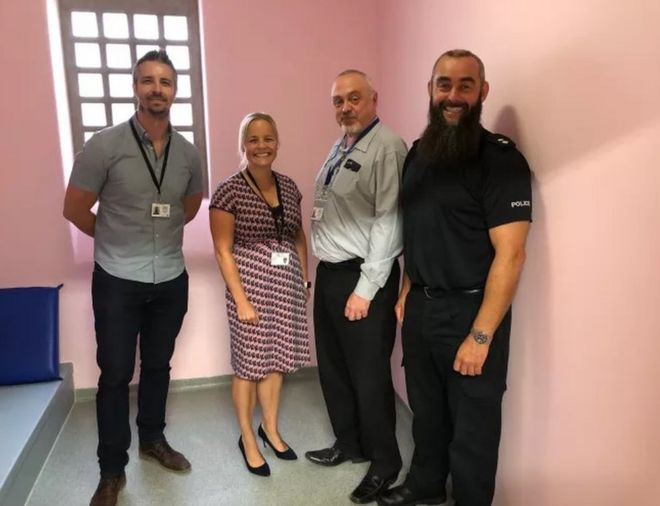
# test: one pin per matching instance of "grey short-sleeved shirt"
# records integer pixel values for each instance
(128, 242)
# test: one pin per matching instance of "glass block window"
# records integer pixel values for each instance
(102, 39)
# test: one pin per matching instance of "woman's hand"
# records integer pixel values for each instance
(246, 312)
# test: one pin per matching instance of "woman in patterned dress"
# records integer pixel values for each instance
(261, 250)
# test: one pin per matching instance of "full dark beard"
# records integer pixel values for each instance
(450, 145)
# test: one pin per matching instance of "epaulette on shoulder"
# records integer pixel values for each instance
(501, 141)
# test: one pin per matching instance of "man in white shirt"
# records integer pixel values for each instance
(357, 236)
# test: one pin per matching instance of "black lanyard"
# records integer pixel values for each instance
(333, 169)
(152, 173)
(277, 212)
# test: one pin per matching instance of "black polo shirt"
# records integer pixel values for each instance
(447, 213)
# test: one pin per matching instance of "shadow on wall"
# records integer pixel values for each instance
(530, 341)
(506, 122)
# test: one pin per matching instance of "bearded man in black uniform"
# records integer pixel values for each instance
(466, 200)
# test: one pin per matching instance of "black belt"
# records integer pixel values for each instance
(352, 264)
(437, 293)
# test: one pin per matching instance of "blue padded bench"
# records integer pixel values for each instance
(31, 417)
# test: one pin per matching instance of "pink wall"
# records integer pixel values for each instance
(262, 55)
(576, 85)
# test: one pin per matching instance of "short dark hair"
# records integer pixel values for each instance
(159, 55)
(462, 53)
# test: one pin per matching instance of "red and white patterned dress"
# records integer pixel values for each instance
(280, 341)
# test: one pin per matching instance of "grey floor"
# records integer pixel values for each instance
(201, 424)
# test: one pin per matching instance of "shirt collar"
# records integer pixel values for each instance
(363, 143)
(144, 136)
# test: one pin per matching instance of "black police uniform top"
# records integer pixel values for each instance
(447, 213)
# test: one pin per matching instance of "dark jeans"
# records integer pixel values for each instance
(354, 366)
(122, 310)
(457, 419)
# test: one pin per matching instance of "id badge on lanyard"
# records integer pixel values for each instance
(277, 258)
(320, 199)
(158, 209)
(322, 191)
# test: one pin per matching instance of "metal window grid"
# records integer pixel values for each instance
(159, 8)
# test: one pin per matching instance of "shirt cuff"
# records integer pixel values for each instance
(365, 288)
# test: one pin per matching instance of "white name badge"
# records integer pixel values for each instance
(280, 258)
(317, 213)
(160, 210)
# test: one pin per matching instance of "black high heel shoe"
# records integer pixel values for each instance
(262, 470)
(287, 454)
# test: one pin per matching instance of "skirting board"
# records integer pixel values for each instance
(182, 385)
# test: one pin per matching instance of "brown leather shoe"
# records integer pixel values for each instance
(108, 490)
(164, 455)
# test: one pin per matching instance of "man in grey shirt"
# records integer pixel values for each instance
(147, 180)
(357, 236)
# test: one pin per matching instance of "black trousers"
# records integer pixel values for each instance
(354, 365)
(123, 310)
(457, 419)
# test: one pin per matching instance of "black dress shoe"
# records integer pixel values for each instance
(403, 496)
(331, 457)
(370, 488)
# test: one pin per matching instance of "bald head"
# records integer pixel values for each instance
(461, 53)
(359, 73)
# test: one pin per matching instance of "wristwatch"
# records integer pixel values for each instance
(479, 336)
(307, 284)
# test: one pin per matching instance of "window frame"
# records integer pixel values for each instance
(160, 8)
